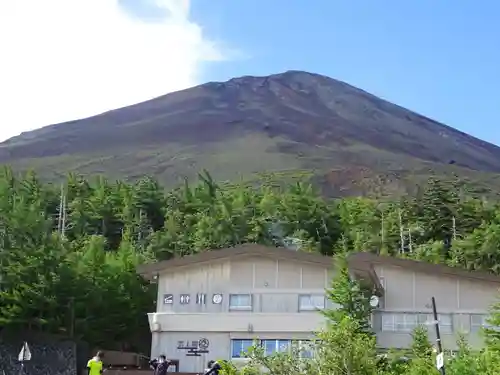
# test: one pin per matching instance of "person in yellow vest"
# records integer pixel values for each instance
(94, 365)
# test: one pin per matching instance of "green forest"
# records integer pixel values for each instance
(69, 251)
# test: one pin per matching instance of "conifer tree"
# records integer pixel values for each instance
(421, 346)
(491, 331)
(349, 297)
(437, 210)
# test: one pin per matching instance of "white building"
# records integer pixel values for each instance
(212, 305)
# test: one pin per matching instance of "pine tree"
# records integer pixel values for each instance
(421, 346)
(422, 358)
(437, 208)
(491, 332)
(349, 298)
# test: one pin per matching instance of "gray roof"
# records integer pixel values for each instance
(360, 264)
(363, 271)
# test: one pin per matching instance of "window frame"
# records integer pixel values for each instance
(306, 347)
(243, 343)
(241, 307)
(446, 328)
(311, 306)
(277, 345)
(406, 322)
(474, 327)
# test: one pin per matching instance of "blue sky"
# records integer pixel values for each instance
(439, 58)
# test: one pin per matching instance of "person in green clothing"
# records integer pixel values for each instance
(94, 365)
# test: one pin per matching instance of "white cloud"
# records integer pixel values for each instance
(67, 59)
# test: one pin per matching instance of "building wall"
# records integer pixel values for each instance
(462, 303)
(219, 345)
(274, 284)
(238, 322)
(275, 287)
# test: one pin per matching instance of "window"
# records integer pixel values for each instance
(445, 322)
(240, 347)
(240, 302)
(407, 322)
(273, 346)
(478, 321)
(311, 302)
(401, 322)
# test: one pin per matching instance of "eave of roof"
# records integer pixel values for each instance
(361, 265)
(423, 267)
(362, 270)
(249, 249)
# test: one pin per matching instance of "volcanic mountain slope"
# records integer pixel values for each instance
(283, 125)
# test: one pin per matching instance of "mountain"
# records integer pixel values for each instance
(288, 125)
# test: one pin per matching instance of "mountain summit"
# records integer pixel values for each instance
(290, 121)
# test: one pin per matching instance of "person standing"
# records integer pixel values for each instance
(94, 365)
(214, 368)
(160, 365)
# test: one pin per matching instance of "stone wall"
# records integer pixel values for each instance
(49, 355)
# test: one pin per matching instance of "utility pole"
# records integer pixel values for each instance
(382, 229)
(401, 232)
(454, 228)
(440, 354)
(410, 245)
(139, 232)
(63, 221)
(59, 217)
(3, 234)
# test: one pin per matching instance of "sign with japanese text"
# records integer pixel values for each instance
(194, 348)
